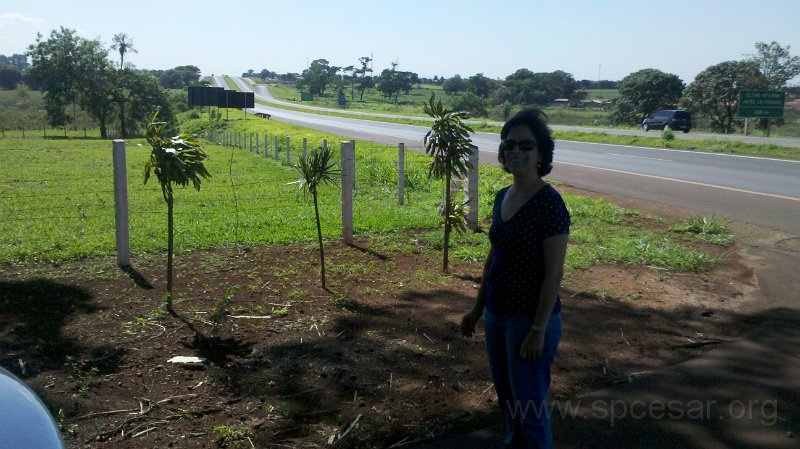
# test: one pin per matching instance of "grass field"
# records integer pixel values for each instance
(57, 199)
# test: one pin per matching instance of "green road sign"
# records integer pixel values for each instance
(761, 104)
(306, 96)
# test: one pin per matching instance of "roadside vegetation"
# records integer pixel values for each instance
(59, 207)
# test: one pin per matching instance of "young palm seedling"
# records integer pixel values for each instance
(316, 169)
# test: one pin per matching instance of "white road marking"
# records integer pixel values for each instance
(790, 198)
(639, 157)
(699, 153)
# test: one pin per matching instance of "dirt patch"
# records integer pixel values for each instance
(294, 365)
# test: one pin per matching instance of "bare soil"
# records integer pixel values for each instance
(294, 365)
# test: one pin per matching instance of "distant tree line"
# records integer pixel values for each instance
(74, 72)
(713, 94)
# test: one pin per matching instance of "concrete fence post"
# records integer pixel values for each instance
(288, 152)
(275, 141)
(305, 148)
(256, 143)
(348, 166)
(121, 204)
(401, 171)
(472, 191)
(266, 145)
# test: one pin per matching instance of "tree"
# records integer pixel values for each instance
(776, 64)
(392, 81)
(316, 169)
(174, 160)
(98, 91)
(317, 77)
(525, 87)
(449, 144)
(470, 103)
(15, 60)
(364, 81)
(143, 96)
(644, 92)
(715, 91)
(123, 44)
(480, 85)
(454, 85)
(58, 64)
(778, 67)
(10, 77)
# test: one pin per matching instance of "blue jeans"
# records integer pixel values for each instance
(522, 385)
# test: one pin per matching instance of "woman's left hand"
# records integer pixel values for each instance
(532, 345)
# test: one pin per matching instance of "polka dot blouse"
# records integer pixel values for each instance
(516, 271)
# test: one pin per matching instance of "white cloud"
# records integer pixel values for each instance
(8, 19)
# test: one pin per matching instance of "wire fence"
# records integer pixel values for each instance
(49, 206)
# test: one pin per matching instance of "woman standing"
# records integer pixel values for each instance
(521, 277)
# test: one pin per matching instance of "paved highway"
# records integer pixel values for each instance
(760, 191)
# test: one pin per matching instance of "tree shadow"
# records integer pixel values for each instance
(216, 349)
(32, 316)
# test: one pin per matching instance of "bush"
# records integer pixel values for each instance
(668, 135)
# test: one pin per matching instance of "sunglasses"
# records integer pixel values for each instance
(524, 145)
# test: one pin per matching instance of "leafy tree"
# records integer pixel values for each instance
(778, 67)
(98, 90)
(316, 169)
(480, 85)
(143, 96)
(525, 87)
(644, 92)
(15, 60)
(174, 160)
(123, 44)
(715, 91)
(454, 85)
(449, 144)
(264, 74)
(470, 103)
(178, 77)
(364, 81)
(58, 64)
(776, 64)
(392, 81)
(10, 77)
(317, 77)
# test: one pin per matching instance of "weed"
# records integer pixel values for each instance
(81, 373)
(706, 230)
(221, 309)
(227, 435)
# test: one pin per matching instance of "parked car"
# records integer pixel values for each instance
(668, 119)
(25, 422)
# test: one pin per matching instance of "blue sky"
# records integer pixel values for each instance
(589, 39)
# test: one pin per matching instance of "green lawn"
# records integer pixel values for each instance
(57, 198)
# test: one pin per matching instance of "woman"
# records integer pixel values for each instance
(521, 278)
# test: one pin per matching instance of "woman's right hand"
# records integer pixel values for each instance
(468, 323)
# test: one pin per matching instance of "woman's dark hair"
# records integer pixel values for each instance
(536, 121)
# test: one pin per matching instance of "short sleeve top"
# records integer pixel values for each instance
(516, 271)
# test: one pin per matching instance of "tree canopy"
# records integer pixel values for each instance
(644, 92)
(318, 76)
(76, 71)
(715, 91)
(776, 64)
